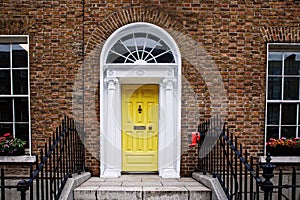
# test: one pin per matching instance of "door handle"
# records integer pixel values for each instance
(150, 128)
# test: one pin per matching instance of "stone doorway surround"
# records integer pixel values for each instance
(167, 75)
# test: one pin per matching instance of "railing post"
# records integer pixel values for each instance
(267, 185)
(23, 187)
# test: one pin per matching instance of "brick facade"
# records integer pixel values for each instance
(231, 36)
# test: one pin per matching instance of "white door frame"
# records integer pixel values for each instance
(168, 76)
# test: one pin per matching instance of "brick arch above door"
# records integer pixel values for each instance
(129, 15)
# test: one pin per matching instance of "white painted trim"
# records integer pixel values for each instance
(281, 159)
(140, 74)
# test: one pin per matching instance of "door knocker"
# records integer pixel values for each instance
(140, 109)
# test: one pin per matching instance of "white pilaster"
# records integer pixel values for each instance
(112, 140)
(169, 139)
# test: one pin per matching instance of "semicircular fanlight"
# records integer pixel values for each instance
(140, 48)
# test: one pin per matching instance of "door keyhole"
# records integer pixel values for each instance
(140, 109)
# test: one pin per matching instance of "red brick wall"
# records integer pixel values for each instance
(231, 36)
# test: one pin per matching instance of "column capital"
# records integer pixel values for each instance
(169, 83)
(111, 83)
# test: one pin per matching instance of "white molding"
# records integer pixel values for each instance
(281, 159)
(17, 159)
(134, 71)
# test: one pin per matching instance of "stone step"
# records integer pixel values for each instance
(142, 187)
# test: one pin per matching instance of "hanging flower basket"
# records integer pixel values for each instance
(10, 146)
(283, 147)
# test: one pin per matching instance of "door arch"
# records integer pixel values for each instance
(140, 53)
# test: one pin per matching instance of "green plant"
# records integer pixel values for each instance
(10, 145)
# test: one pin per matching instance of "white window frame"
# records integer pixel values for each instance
(15, 39)
(282, 101)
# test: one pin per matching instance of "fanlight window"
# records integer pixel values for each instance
(140, 48)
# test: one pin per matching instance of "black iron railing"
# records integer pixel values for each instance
(239, 175)
(61, 157)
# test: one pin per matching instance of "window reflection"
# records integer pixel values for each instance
(4, 82)
(6, 114)
(19, 56)
(20, 81)
(4, 55)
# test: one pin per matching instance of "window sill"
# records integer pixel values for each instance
(281, 159)
(17, 159)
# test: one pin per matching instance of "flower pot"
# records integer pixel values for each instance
(17, 152)
(283, 151)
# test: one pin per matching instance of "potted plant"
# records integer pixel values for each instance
(10, 146)
(283, 146)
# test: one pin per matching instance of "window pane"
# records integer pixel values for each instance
(151, 42)
(166, 58)
(274, 88)
(291, 67)
(129, 42)
(288, 131)
(19, 55)
(120, 48)
(4, 56)
(21, 110)
(6, 128)
(273, 114)
(114, 58)
(20, 81)
(6, 110)
(289, 112)
(291, 88)
(4, 82)
(275, 67)
(22, 132)
(275, 56)
(272, 132)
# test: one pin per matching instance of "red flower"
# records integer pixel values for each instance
(6, 135)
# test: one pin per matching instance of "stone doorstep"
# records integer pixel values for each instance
(85, 193)
(131, 193)
(142, 193)
(148, 187)
(165, 193)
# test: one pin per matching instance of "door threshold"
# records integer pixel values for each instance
(139, 173)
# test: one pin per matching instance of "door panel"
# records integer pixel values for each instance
(139, 127)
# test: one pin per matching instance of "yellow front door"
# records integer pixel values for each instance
(139, 128)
